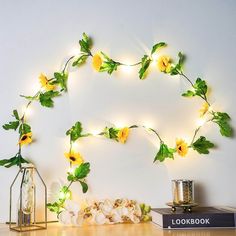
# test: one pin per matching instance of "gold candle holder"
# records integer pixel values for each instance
(183, 191)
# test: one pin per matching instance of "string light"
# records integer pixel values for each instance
(201, 122)
(63, 195)
(148, 125)
(126, 66)
(75, 146)
(35, 86)
(126, 69)
(27, 111)
(74, 51)
(120, 124)
(71, 170)
(155, 57)
(147, 128)
(95, 132)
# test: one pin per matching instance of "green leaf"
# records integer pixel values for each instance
(108, 65)
(223, 119)
(82, 171)
(61, 79)
(24, 129)
(181, 60)
(21, 160)
(84, 186)
(11, 125)
(189, 93)
(31, 98)
(157, 46)
(80, 60)
(202, 145)
(164, 152)
(178, 68)
(111, 133)
(56, 207)
(174, 71)
(144, 66)
(16, 115)
(4, 162)
(85, 44)
(46, 98)
(75, 131)
(71, 177)
(16, 160)
(65, 193)
(200, 87)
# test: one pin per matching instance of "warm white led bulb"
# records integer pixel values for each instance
(201, 121)
(62, 195)
(27, 111)
(148, 125)
(126, 69)
(71, 170)
(74, 146)
(155, 57)
(120, 124)
(95, 132)
(74, 51)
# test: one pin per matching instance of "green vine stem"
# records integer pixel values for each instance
(123, 64)
(204, 97)
(28, 105)
(155, 132)
(67, 63)
(197, 130)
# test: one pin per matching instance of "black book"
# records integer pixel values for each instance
(200, 217)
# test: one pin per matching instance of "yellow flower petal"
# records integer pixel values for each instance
(45, 83)
(164, 64)
(204, 109)
(97, 62)
(74, 157)
(181, 147)
(25, 139)
(123, 134)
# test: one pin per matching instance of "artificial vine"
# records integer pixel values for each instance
(101, 62)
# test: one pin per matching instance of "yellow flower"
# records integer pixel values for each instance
(74, 157)
(181, 147)
(45, 83)
(204, 109)
(123, 134)
(97, 62)
(25, 139)
(164, 64)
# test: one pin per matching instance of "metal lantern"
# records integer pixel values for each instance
(183, 191)
(25, 205)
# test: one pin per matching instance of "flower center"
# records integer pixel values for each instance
(180, 148)
(24, 137)
(72, 158)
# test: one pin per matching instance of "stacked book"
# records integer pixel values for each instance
(200, 217)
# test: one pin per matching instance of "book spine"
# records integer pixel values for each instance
(199, 221)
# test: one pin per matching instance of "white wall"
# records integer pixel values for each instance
(37, 36)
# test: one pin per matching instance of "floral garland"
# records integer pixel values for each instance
(57, 85)
(104, 212)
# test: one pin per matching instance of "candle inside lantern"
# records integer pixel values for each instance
(183, 191)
